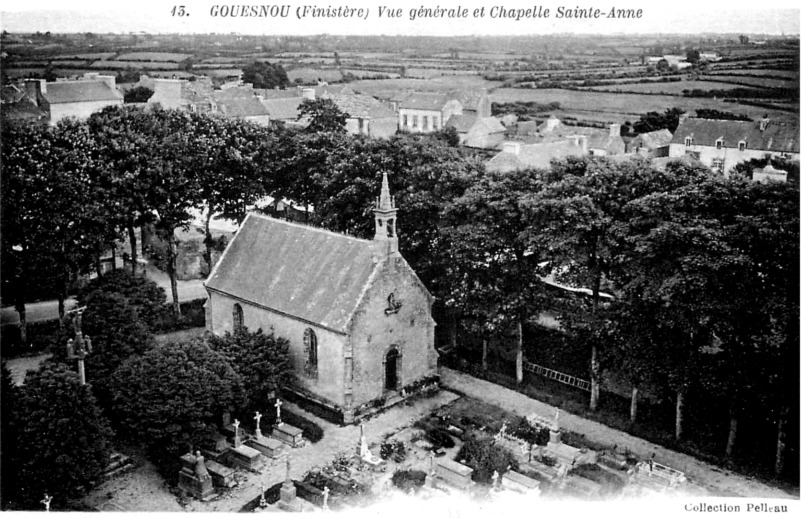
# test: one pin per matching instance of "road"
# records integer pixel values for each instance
(47, 310)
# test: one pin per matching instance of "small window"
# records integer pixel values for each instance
(435, 121)
(405, 120)
(719, 143)
(425, 121)
(414, 120)
(717, 165)
(239, 319)
(742, 145)
(310, 351)
(688, 141)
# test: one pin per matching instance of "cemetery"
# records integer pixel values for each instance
(462, 449)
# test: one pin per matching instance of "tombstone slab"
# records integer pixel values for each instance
(221, 476)
(520, 483)
(188, 480)
(454, 474)
(270, 448)
(289, 434)
(246, 457)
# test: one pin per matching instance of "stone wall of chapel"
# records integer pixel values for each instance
(329, 384)
(410, 330)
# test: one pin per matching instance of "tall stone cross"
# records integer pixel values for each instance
(236, 433)
(258, 423)
(46, 501)
(288, 480)
(278, 410)
(78, 348)
(326, 491)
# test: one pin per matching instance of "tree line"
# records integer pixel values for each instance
(701, 268)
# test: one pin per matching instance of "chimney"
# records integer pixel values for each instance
(308, 93)
(511, 147)
(551, 123)
(34, 88)
(614, 130)
(763, 123)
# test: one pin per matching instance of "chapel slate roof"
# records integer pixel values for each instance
(304, 272)
(425, 101)
(80, 91)
(705, 132)
(242, 107)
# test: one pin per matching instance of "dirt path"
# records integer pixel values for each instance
(717, 481)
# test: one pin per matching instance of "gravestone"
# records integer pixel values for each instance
(221, 476)
(216, 449)
(289, 434)
(520, 483)
(288, 501)
(194, 478)
(365, 455)
(455, 474)
(270, 448)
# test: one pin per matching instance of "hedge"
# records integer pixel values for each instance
(42, 335)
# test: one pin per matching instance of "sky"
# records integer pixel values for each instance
(461, 17)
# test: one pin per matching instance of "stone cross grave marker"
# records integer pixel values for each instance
(278, 411)
(326, 491)
(258, 424)
(46, 501)
(236, 433)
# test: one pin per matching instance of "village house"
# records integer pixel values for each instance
(366, 115)
(478, 132)
(653, 144)
(357, 316)
(237, 102)
(426, 112)
(516, 155)
(79, 98)
(722, 144)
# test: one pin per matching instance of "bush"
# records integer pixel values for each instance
(193, 314)
(144, 295)
(485, 457)
(409, 479)
(43, 335)
(395, 450)
(440, 438)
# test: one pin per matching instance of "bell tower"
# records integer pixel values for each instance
(385, 219)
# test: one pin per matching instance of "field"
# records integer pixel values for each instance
(144, 65)
(789, 74)
(622, 107)
(443, 83)
(308, 75)
(766, 82)
(154, 56)
(671, 88)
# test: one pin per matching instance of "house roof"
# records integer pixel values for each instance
(653, 139)
(462, 122)
(242, 107)
(705, 132)
(80, 91)
(470, 121)
(425, 101)
(533, 155)
(362, 106)
(283, 108)
(303, 272)
(469, 99)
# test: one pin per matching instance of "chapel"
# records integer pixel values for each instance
(357, 316)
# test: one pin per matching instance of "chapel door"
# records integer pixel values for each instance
(391, 374)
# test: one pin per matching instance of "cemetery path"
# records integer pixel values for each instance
(718, 481)
(48, 309)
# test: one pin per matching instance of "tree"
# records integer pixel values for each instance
(63, 442)
(693, 56)
(138, 94)
(653, 121)
(585, 205)
(324, 116)
(494, 260)
(117, 334)
(144, 295)
(8, 412)
(173, 398)
(263, 74)
(261, 360)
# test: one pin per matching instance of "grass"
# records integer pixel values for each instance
(581, 104)
(671, 88)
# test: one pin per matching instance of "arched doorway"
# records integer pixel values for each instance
(391, 364)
